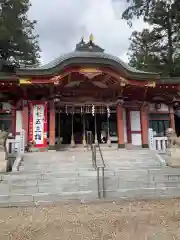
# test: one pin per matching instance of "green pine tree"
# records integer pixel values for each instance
(164, 18)
(18, 43)
(144, 51)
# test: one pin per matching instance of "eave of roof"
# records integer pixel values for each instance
(169, 80)
(8, 76)
(78, 57)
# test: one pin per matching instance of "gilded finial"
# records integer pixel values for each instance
(91, 38)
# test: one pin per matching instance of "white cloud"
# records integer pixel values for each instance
(61, 24)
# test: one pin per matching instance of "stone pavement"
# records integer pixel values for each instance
(46, 177)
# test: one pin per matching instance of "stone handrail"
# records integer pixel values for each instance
(157, 143)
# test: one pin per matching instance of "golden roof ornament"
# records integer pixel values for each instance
(151, 84)
(91, 38)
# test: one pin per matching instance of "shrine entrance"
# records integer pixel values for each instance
(81, 127)
(66, 128)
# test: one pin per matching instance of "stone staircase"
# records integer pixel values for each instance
(47, 177)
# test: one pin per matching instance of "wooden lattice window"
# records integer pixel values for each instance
(5, 121)
(159, 123)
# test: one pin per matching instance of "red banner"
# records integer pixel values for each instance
(30, 136)
(38, 123)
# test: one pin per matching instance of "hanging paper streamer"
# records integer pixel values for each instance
(66, 109)
(72, 110)
(93, 110)
(108, 112)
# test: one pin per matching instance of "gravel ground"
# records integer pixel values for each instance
(124, 220)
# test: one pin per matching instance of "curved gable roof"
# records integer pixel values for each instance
(83, 57)
(87, 53)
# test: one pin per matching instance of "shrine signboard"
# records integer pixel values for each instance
(38, 123)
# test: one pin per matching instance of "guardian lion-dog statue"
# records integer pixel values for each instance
(173, 148)
(3, 150)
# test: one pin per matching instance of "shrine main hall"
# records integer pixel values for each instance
(86, 96)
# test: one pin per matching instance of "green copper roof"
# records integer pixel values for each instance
(84, 57)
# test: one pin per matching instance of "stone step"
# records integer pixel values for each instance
(48, 171)
(144, 193)
(115, 179)
(43, 164)
(158, 174)
(49, 184)
(52, 175)
(156, 170)
(124, 167)
(89, 160)
(15, 200)
(59, 175)
(81, 185)
(89, 155)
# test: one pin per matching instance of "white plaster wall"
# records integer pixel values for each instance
(6, 106)
(164, 108)
(125, 125)
(19, 124)
(18, 129)
(136, 139)
(135, 126)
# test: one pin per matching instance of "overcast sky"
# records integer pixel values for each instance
(61, 24)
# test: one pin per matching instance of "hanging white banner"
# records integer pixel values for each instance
(38, 124)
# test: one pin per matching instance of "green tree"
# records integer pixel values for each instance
(144, 51)
(164, 18)
(18, 43)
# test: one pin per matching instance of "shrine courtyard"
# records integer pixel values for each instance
(124, 220)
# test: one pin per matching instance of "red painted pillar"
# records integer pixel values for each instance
(171, 117)
(25, 121)
(144, 126)
(52, 124)
(128, 126)
(120, 126)
(13, 121)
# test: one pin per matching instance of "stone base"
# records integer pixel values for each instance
(52, 147)
(121, 145)
(173, 163)
(34, 149)
(145, 146)
(84, 142)
(174, 159)
(72, 143)
(17, 163)
(109, 142)
(3, 166)
(129, 146)
(3, 162)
